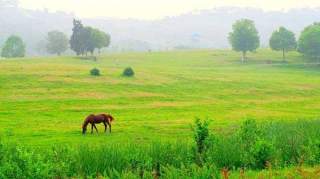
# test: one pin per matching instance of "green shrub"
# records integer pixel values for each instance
(262, 153)
(128, 72)
(95, 72)
(248, 135)
(201, 134)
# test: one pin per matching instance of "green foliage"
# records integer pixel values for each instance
(283, 40)
(13, 47)
(100, 38)
(309, 41)
(57, 42)
(249, 133)
(87, 39)
(244, 37)
(95, 72)
(192, 171)
(201, 133)
(225, 151)
(262, 153)
(128, 72)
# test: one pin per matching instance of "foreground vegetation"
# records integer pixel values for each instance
(43, 103)
(270, 146)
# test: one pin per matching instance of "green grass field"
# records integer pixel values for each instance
(44, 101)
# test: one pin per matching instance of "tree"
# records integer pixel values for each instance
(87, 39)
(283, 40)
(101, 39)
(309, 41)
(77, 42)
(13, 47)
(90, 44)
(57, 42)
(96, 40)
(244, 37)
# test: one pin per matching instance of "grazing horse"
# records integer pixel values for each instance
(92, 119)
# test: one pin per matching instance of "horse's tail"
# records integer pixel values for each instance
(108, 116)
(111, 118)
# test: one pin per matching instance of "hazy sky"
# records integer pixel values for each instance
(153, 9)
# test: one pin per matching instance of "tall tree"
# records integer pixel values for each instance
(77, 42)
(57, 42)
(283, 40)
(244, 37)
(13, 47)
(309, 41)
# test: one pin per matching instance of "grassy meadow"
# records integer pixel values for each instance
(44, 101)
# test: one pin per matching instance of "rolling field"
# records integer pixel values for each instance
(44, 101)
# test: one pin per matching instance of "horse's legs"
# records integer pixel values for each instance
(105, 126)
(95, 127)
(110, 127)
(91, 128)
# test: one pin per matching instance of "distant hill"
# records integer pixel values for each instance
(201, 29)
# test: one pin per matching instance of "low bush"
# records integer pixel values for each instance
(95, 72)
(128, 72)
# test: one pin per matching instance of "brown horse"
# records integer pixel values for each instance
(92, 119)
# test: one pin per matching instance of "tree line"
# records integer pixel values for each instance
(245, 38)
(84, 39)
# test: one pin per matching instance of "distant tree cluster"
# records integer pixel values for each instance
(244, 38)
(82, 41)
(87, 39)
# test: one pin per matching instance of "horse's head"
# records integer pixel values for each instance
(85, 124)
(84, 129)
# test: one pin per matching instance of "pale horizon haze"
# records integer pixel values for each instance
(156, 9)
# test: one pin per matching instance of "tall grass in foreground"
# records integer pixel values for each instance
(253, 146)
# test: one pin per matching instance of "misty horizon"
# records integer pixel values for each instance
(203, 29)
(154, 10)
